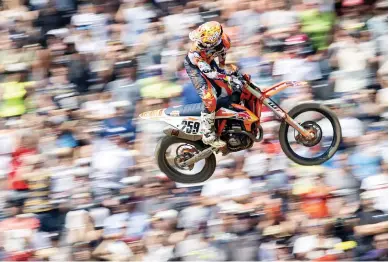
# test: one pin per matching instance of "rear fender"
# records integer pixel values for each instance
(186, 127)
(170, 131)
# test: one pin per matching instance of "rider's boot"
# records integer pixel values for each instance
(208, 131)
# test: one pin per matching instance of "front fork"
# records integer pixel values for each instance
(282, 114)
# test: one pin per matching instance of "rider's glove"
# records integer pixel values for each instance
(234, 83)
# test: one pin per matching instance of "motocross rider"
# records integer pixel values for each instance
(209, 43)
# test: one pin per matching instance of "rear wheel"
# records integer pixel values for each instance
(171, 151)
(321, 122)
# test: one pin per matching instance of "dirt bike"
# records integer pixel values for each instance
(183, 157)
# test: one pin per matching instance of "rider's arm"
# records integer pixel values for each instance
(205, 68)
(222, 60)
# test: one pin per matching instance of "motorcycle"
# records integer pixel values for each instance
(184, 158)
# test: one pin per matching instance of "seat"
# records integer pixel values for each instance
(185, 110)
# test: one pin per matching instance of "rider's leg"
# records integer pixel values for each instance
(206, 92)
(208, 119)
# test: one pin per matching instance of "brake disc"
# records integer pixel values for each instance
(314, 129)
(183, 153)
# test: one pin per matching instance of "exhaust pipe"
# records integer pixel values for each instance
(200, 156)
(169, 131)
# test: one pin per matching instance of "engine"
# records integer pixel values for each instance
(236, 139)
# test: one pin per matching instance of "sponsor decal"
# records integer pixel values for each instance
(154, 113)
(175, 113)
(276, 109)
(175, 132)
(191, 119)
(243, 115)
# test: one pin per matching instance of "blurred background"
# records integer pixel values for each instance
(78, 177)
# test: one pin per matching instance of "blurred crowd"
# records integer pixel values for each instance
(78, 176)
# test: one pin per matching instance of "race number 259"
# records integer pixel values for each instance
(190, 127)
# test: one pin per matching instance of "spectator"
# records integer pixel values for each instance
(366, 161)
(317, 23)
(278, 21)
(27, 146)
(14, 92)
(125, 88)
(48, 19)
(377, 186)
(136, 17)
(371, 222)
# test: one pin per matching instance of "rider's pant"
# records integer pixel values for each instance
(203, 86)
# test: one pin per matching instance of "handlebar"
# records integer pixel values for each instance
(246, 79)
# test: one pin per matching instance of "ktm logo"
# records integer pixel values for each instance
(272, 105)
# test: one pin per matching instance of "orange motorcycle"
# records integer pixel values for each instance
(309, 134)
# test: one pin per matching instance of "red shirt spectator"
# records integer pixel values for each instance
(14, 179)
(26, 147)
(315, 202)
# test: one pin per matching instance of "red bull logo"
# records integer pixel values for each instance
(243, 115)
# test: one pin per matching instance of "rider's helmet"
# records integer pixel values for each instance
(207, 35)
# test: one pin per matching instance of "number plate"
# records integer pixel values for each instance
(190, 127)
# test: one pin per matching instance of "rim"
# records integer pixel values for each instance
(322, 125)
(178, 152)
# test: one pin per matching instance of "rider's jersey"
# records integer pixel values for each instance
(202, 57)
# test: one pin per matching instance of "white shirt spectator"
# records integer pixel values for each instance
(62, 179)
(227, 188)
(99, 108)
(108, 158)
(350, 76)
(137, 20)
(297, 70)
(96, 23)
(256, 164)
(76, 219)
(6, 148)
(99, 215)
(191, 217)
(247, 20)
(114, 223)
(378, 186)
(309, 243)
(278, 19)
(178, 24)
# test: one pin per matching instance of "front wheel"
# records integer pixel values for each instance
(320, 121)
(171, 151)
